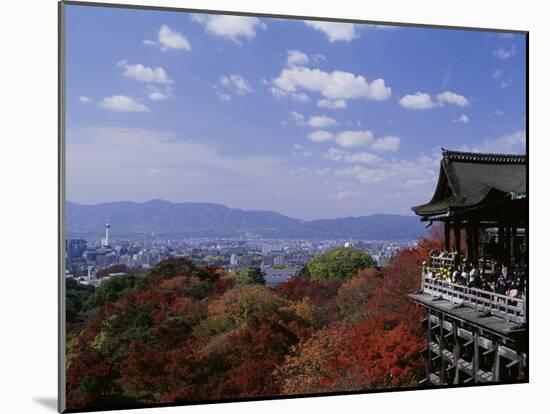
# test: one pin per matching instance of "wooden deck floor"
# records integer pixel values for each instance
(491, 323)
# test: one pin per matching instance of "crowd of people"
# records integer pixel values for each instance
(488, 275)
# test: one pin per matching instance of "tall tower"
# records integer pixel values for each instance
(107, 229)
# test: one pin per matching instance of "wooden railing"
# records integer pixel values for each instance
(438, 261)
(506, 307)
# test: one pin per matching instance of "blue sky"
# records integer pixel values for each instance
(309, 119)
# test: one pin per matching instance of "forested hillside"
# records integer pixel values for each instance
(184, 333)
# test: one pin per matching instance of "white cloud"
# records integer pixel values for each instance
(384, 27)
(351, 139)
(362, 157)
(336, 31)
(297, 117)
(335, 154)
(417, 101)
(463, 119)
(300, 151)
(170, 39)
(452, 98)
(500, 76)
(230, 27)
(236, 83)
(327, 103)
(320, 136)
(84, 99)
(388, 143)
(334, 85)
(321, 122)
(295, 57)
(144, 73)
(514, 143)
(156, 94)
(298, 97)
(223, 96)
(397, 178)
(121, 103)
(343, 195)
(504, 54)
(199, 169)
(158, 158)
(422, 100)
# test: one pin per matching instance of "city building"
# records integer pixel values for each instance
(75, 248)
(274, 277)
(106, 242)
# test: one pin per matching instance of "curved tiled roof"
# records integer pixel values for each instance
(450, 156)
(469, 179)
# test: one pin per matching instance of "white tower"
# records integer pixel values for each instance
(107, 229)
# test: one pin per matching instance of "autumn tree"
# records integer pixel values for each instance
(355, 293)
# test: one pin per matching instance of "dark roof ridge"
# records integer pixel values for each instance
(464, 156)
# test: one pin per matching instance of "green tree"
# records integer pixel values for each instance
(340, 264)
(110, 290)
(76, 296)
(250, 276)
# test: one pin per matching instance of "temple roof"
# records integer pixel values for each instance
(468, 180)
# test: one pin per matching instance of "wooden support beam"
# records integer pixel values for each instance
(442, 372)
(447, 236)
(501, 245)
(475, 362)
(456, 354)
(469, 243)
(475, 242)
(496, 364)
(514, 247)
(456, 231)
(429, 339)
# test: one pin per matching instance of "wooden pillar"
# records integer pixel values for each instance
(429, 340)
(513, 242)
(496, 365)
(475, 362)
(456, 231)
(515, 245)
(442, 372)
(469, 243)
(501, 245)
(447, 236)
(507, 249)
(456, 353)
(475, 242)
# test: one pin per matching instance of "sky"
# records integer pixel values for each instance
(306, 118)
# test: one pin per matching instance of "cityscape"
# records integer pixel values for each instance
(89, 261)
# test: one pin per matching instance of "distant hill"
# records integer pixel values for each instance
(161, 218)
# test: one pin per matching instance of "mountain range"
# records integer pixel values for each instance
(160, 218)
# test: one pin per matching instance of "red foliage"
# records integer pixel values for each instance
(388, 351)
(257, 348)
(434, 241)
(318, 291)
(400, 278)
